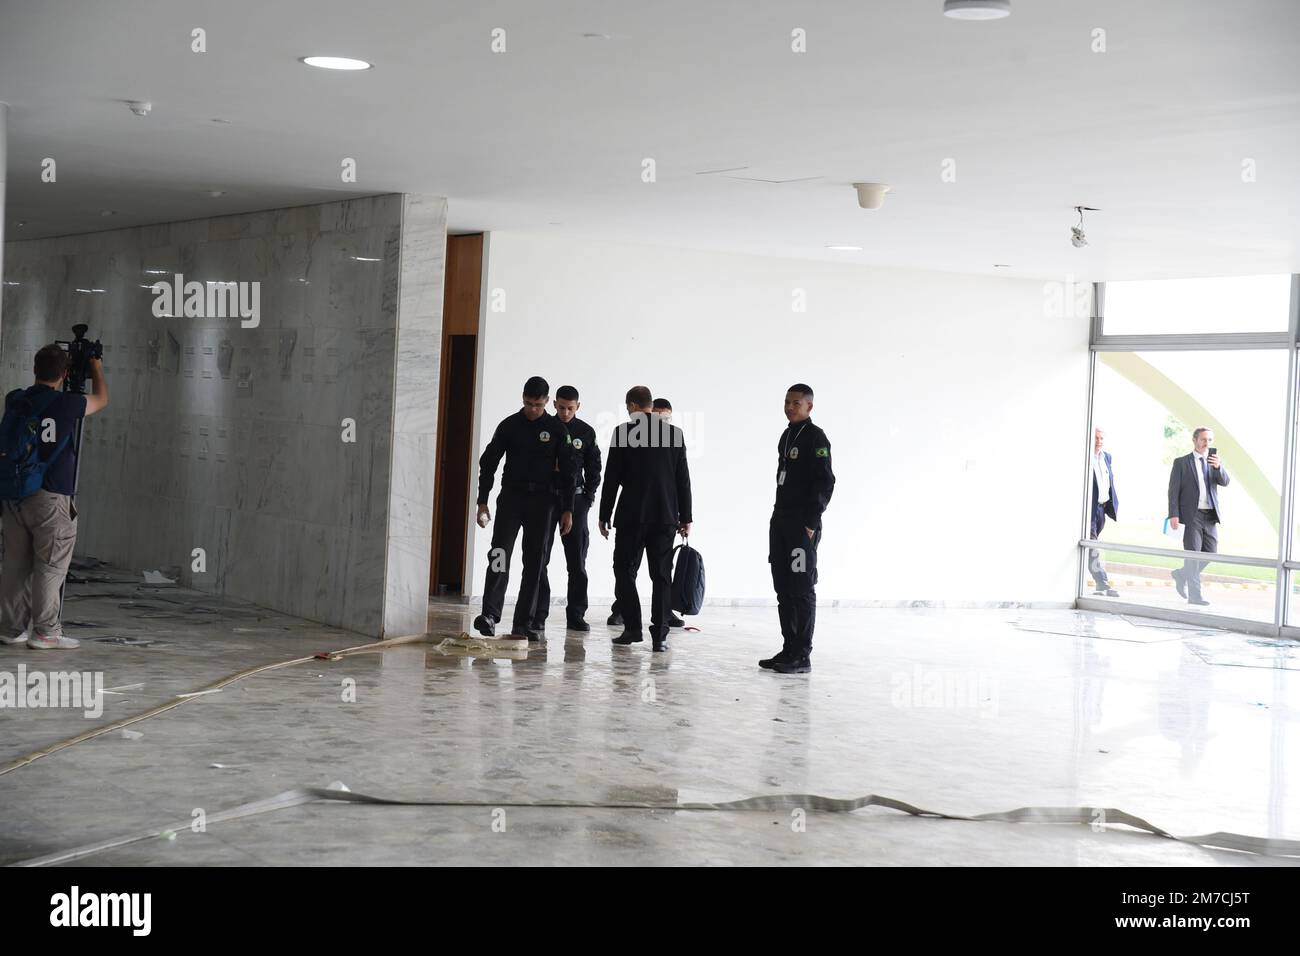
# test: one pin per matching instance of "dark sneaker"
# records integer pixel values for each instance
(485, 626)
(770, 662)
(793, 665)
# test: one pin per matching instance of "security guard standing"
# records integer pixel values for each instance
(539, 463)
(585, 451)
(804, 482)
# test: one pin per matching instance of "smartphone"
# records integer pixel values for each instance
(1214, 451)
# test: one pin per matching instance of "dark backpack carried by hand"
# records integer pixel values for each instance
(22, 472)
(688, 580)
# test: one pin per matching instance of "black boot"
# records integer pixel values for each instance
(629, 637)
(770, 662)
(485, 625)
(796, 664)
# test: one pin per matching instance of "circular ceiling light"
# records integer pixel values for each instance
(977, 9)
(336, 63)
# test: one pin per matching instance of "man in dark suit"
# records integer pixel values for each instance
(1194, 483)
(647, 460)
(1104, 502)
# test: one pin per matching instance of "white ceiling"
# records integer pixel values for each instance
(550, 136)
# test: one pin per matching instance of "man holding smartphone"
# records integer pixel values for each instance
(1194, 505)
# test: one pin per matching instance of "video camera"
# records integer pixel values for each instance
(80, 351)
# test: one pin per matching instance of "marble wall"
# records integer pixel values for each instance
(232, 439)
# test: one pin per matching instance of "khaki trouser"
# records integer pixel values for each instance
(39, 533)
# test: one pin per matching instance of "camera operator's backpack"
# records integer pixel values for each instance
(688, 581)
(22, 472)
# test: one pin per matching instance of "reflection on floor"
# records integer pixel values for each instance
(963, 711)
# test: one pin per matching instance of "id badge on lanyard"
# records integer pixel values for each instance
(780, 477)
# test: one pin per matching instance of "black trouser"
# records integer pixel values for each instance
(656, 541)
(532, 511)
(575, 560)
(1199, 534)
(793, 556)
(1094, 556)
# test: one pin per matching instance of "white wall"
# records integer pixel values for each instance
(956, 407)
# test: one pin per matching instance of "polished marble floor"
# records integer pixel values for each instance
(961, 711)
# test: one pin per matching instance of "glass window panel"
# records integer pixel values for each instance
(1233, 590)
(1148, 404)
(1186, 306)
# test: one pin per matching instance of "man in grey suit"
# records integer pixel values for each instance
(1194, 483)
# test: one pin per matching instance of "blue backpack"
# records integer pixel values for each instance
(22, 472)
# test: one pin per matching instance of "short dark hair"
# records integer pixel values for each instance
(639, 396)
(51, 363)
(663, 403)
(804, 390)
(566, 393)
(536, 387)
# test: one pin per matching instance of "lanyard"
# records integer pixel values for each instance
(786, 446)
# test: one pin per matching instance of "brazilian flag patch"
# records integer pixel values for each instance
(823, 453)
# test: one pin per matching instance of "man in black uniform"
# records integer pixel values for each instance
(647, 460)
(664, 409)
(585, 450)
(539, 461)
(804, 482)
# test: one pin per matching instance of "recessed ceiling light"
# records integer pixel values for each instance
(596, 36)
(977, 9)
(845, 248)
(366, 259)
(336, 63)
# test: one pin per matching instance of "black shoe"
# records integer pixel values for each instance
(629, 637)
(535, 634)
(675, 621)
(578, 625)
(1200, 601)
(793, 665)
(485, 626)
(615, 620)
(770, 662)
(1179, 582)
(659, 645)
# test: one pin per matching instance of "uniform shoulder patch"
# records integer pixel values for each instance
(823, 453)
(577, 443)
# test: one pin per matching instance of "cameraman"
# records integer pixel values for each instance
(41, 529)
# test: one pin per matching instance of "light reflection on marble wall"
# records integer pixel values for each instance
(229, 438)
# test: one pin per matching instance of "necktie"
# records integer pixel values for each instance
(1209, 488)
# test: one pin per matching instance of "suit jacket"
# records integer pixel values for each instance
(1112, 504)
(1184, 492)
(647, 461)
